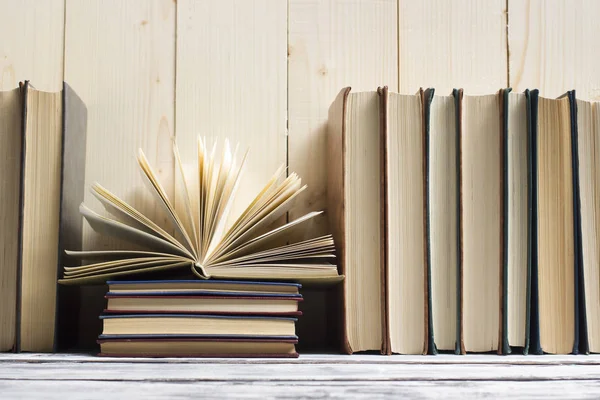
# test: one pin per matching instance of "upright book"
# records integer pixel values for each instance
(588, 145)
(443, 220)
(11, 115)
(404, 223)
(481, 221)
(355, 211)
(555, 268)
(33, 128)
(49, 120)
(516, 277)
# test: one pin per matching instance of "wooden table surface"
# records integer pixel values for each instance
(60, 376)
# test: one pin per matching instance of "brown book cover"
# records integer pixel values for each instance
(212, 342)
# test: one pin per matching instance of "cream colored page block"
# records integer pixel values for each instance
(481, 216)
(553, 47)
(362, 215)
(556, 246)
(452, 44)
(406, 224)
(120, 58)
(10, 173)
(589, 176)
(443, 219)
(31, 43)
(231, 83)
(41, 209)
(518, 219)
(332, 44)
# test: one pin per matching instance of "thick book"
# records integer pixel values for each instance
(197, 324)
(203, 303)
(588, 146)
(198, 347)
(11, 115)
(555, 263)
(355, 214)
(404, 223)
(210, 285)
(516, 274)
(46, 124)
(481, 198)
(443, 220)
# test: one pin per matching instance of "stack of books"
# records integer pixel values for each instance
(194, 318)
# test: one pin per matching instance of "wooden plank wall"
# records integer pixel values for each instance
(263, 72)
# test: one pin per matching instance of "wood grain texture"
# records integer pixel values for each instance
(458, 390)
(332, 44)
(452, 44)
(310, 376)
(119, 59)
(280, 371)
(231, 83)
(314, 359)
(31, 43)
(553, 48)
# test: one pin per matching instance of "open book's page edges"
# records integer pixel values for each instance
(460, 347)
(504, 346)
(580, 317)
(24, 86)
(427, 99)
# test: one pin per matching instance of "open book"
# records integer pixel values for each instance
(203, 235)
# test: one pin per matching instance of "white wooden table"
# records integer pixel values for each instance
(58, 376)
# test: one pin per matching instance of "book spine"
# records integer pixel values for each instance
(427, 99)
(460, 345)
(580, 315)
(504, 346)
(532, 285)
(24, 90)
(386, 347)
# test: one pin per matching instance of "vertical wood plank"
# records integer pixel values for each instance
(452, 44)
(31, 43)
(120, 59)
(231, 83)
(553, 47)
(332, 44)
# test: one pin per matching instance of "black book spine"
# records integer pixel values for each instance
(428, 98)
(580, 314)
(533, 314)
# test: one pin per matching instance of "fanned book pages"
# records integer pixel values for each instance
(205, 237)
